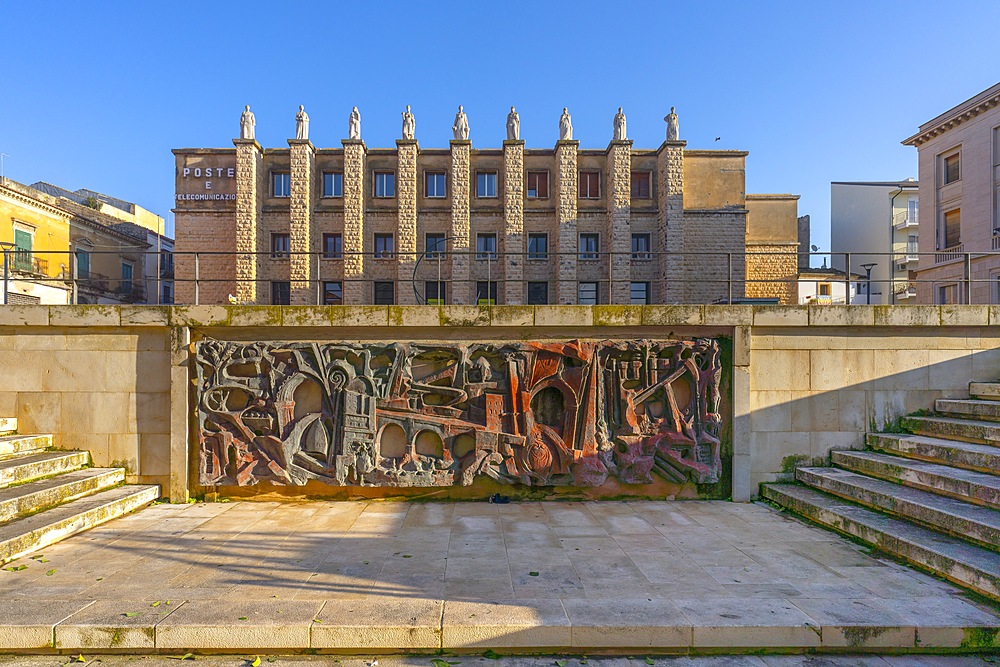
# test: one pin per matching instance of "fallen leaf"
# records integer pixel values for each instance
(532, 574)
(491, 654)
(243, 618)
(50, 572)
(316, 620)
(80, 658)
(43, 560)
(256, 662)
(649, 661)
(407, 556)
(438, 662)
(560, 663)
(130, 614)
(155, 604)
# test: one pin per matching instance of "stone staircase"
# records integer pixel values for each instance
(46, 495)
(930, 497)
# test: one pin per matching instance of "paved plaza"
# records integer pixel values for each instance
(543, 577)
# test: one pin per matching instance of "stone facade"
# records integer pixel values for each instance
(772, 272)
(567, 225)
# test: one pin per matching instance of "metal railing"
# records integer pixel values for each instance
(496, 277)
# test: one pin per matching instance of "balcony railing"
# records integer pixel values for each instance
(903, 220)
(949, 254)
(905, 290)
(25, 262)
(996, 242)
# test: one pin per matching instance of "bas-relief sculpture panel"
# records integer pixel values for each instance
(440, 414)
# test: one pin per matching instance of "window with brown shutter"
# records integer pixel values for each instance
(590, 184)
(538, 185)
(641, 185)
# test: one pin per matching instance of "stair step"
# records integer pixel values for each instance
(967, 485)
(970, 430)
(12, 445)
(20, 500)
(968, 408)
(43, 464)
(957, 453)
(23, 536)
(987, 390)
(963, 520)
(963, 563)
(8, 425)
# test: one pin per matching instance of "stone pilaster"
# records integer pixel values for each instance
(406, 228)
(619, 225)
(249, 170)
(567, 192)
(670, 221)
(355, 289)
(462, 290)
(300, 266)
(513, 214)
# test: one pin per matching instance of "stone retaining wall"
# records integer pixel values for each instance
(805, 380)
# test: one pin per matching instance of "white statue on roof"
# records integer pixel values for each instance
(354, 125)
(247, 124)
(565, 126)
(461, 126)
(301, 124)
(620, 125)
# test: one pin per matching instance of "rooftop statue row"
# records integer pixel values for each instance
(460, 128)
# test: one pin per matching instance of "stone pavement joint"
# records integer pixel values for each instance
(628, 578)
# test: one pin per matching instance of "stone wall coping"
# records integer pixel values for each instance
(756, 316)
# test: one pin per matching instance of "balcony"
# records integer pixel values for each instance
(996, 241)
(24, 262)
(905, 290)
(951, 254)
(903, 220)
(909, 257)
(114, 288)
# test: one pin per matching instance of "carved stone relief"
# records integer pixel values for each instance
(414, 414)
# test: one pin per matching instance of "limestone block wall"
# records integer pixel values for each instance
(776, 266)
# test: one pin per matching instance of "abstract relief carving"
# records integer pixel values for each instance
(414, 414)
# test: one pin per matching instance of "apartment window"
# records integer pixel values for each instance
(434, 292)
(538, 246)
(952, 168)
(590, 245)
(538, 185)
(281, 293)
(434, 184)
(486, 293)
(590, 184)
(385, 184)
(824, 289)
(281, 184)
(167, 293)
(434, 245)
(639, 293)
(333, 293)
(641, 181)
(385, 293)
(641, 247)
(82, 264)
(588, 293)
(280, 246)
(333, 184)
(384, 246)
(486, 246)
(947, 294)
(127, 274)
(538, 293)
(486, 184)
(23, 244)
(333, 246)
(952, 228)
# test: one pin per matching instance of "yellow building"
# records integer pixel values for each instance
(35, 237)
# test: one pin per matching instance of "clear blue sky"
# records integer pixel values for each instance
(96, 94)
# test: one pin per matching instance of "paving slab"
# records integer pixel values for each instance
(27, 624)
(627, 624)
(239, 625)
(114, 624)
(378, 623)
(749, 623)
(538, 624)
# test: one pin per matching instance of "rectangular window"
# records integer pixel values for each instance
(952, 228)
(281, 293)
(590, 245)
(538, 293)
(590, 184)
(385, 293)
(538, 246)
(333, 184)
(639, 293)
(23, 242)
(486, 293)
(434, 245)
(824, 289)
(167, 293)
(587, 294)
(538, 185)
(127, 273)
(280, 246)
(434, 292)
(486, 246)
(952, 168)
(947, 294)
(82, 264)
(641, 247)
(281, 184)
(434, 184)
(333, 246)
(333, 293)
(384, 246)
(486, 184)
(641, 185)
(385, 184)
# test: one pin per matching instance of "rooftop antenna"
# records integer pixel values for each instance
(2, 156)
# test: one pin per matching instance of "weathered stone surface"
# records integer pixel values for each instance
(35, 465)
(968, 409)
(968, 455)
(409, 414)
(541, 624)
(27, 624)
(28, 497)
(967, 429)
(247, 625)
(113, 624)
(385, 623)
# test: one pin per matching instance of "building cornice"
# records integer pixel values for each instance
(772, 197)
(24, 198)
(955, 116)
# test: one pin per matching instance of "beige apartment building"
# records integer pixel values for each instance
(464, 225)
(959, 166)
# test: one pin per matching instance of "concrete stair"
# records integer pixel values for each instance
(46, 495)
(930, 497)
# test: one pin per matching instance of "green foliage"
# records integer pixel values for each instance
(91, 202)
